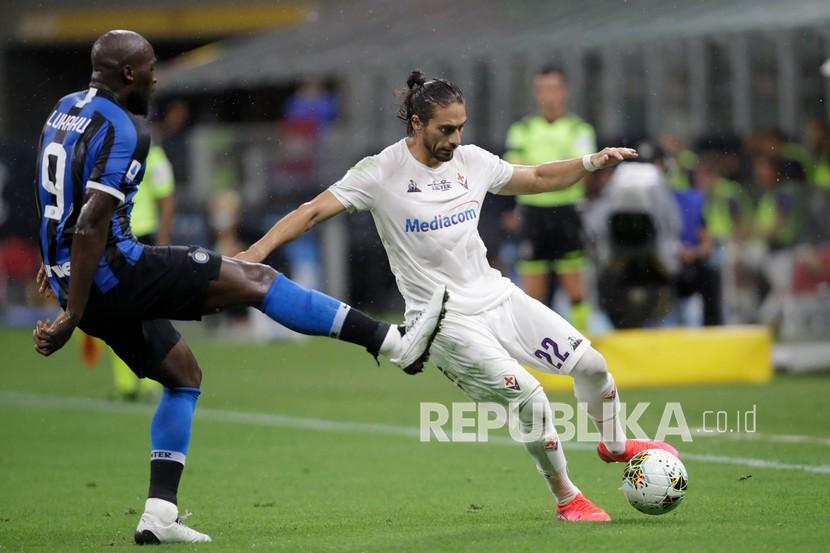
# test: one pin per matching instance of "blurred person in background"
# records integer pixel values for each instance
(312, 101)
(817, 142)
(778, 225)
(679, 161)
(728, 216)
(154, 207)
(302, 132)
(551, 228)
(224, 213)
(306, 113)
(728, 207)
(17, 231)
(698, 275)
(173, 137)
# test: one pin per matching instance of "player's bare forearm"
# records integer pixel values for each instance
(555, 175)
(88, 245)
(290, 227)
(285, 230)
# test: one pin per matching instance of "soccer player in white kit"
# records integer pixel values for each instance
(425, 194)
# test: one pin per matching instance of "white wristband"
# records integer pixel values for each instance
(588, 164)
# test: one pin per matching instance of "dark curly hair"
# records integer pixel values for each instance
(420, 97)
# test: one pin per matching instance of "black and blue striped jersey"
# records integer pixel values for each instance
(88, 142)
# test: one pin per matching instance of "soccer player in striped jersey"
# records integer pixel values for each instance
(91, 160)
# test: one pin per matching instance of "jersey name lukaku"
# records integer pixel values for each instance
(427, 220)
(88, 142)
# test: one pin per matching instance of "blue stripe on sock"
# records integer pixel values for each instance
(170, 429)
(304, 311)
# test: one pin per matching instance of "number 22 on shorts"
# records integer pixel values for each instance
(549, 345)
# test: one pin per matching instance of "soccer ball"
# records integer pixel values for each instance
(654, 482)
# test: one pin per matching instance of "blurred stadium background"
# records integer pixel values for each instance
(724, 88)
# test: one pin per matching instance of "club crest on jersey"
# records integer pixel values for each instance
(132, 172)
(574, 342)
(511, 383)
(200, 256)
(412, 186)
(462, 180)
(440, 185)
(551, 445)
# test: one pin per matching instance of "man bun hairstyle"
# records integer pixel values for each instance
(416, 79)
(422, 96)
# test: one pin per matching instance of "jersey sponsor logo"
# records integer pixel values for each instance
(59, 271)
(412, 186)
(440, 185)
(65, 122)
(458, 214)
(511, 383)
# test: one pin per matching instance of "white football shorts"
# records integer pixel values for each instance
(486, 354)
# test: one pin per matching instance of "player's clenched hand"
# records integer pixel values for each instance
(609, 157)
(49, 338)
(43, 287)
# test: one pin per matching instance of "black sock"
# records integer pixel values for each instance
(361, 329)
(164, 480)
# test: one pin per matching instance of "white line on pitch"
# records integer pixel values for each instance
(763, 437)
(78, 403)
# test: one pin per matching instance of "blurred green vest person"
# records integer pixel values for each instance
(155, 191)
(551, 226)
(536, 140)
(726, 209)
(151, 223)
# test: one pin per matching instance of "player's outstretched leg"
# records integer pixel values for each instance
(314, 313)
(170, 438)
(535, 415)
(594, 386)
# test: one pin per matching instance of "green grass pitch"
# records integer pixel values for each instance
(304, 447)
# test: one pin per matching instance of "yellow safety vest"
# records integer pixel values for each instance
(158, 183)
(535, 140)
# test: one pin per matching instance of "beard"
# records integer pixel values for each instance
(442, 154)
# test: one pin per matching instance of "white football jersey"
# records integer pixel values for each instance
(428, 219)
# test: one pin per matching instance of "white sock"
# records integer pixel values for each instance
(391, 345)
(547, 452)
(594, 386)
